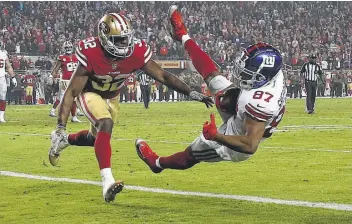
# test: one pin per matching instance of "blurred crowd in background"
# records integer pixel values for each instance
(222, 29)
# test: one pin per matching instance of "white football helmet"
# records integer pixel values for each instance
(67, 47)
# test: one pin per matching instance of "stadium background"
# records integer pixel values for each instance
(36, 31)
(308, 160)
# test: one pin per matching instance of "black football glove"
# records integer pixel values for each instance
(194, 95)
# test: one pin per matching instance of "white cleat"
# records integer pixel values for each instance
(52, 114)
(75, 120)
(58, 143)
(79, 113)
(110, 192)
(2, 120)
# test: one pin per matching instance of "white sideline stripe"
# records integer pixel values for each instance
(333, 206)
(187, 143)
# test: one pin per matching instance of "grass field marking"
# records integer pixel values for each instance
(333, 206)
(187, 143)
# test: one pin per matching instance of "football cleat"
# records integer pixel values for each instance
(176, 26)
(52, 114)
(79, 113)
(75, 120)
(2, 120)
(147, 155)
(59, 142)
(110, 193)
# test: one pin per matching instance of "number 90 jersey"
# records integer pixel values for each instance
(264, 104)
(108, 76)
(68, 65)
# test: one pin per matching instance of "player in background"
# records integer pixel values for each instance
(153, 90)
(5, 65)
(105, 62)
(29, 81)
(67, 63)
(130, 83)
(250, 113)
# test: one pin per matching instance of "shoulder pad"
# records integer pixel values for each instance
(142, 52)
(85, 48)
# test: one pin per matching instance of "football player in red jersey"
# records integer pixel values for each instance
(67, 62)
(105, 62)
(130, 83)
(29, 81)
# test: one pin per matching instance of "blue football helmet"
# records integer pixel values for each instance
(257, 65)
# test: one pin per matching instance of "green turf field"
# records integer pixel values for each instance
(309, 159)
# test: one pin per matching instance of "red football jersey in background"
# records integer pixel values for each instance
(29, 80)
(68, 65)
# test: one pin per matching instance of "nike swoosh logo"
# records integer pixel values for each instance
(260, 106)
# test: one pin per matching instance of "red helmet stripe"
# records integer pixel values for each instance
(256, 46)
(121, 21)
(124, 19)
(115, 16)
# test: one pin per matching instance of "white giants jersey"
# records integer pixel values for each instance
(3, 57)
(265, 104)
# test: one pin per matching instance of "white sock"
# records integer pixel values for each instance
(157, 163)
(52, 110)
(218, 83)
(106, 175)
(185, 38)
(2, 113)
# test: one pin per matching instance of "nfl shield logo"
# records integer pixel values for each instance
(114, 66)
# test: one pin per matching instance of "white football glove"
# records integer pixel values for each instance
(14, 81)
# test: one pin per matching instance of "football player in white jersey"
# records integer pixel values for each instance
(250, 113)
(5, 65)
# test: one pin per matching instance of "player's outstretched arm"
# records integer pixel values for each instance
(240, 143)
(156, 72)
(75, 87)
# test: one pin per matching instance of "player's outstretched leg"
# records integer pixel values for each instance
(102, 148)
(179, 161)
(201, 61)
(82, 138)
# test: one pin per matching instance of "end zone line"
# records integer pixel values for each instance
(333, 206)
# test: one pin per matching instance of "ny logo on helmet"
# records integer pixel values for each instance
(268, 61)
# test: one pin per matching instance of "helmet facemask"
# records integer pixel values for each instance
(68, 48)
(249, 78)
(113, 44)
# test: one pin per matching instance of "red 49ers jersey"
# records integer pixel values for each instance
(131, 80)
(68, 65)
(29, 80)
(108, 76)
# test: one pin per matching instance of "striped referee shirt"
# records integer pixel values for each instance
(310, 71)
(142, 78)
